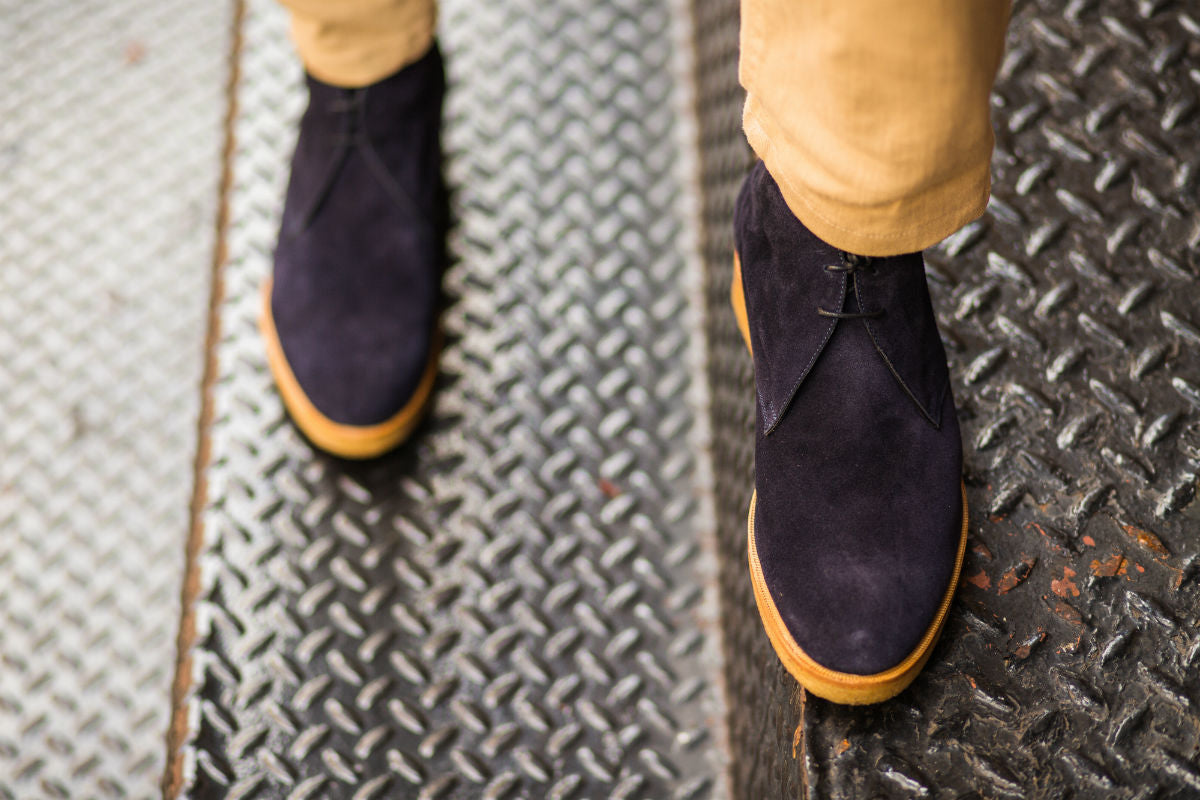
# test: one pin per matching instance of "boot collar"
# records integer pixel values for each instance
(789, 275)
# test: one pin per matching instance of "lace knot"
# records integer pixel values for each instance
(850, 264)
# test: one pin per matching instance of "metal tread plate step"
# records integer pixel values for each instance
(523, 603)
(110, 145)
(1072, 321)
(520, 603)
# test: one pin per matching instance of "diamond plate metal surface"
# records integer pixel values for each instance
(521, 602)
(1069, 666)
(110, 137)
(765, 729)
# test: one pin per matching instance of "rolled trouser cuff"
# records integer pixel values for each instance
(361, 43)
(904, 223)
(873, 116)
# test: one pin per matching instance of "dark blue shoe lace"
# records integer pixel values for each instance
(850, 264)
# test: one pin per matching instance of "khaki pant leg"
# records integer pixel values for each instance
(873, 115)
(354, 43)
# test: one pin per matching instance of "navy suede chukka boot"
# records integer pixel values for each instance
(858, 524)
(350, 315)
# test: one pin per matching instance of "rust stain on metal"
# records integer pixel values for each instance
(980, 549)
(981, 580)
(1018, 573)
(1065, 610)
(1026, 647)
(1147, 540)
(1089, 541)
(1052, 541)
(798, 738)
(1112, 566)
(609, 488)
(1176, 582)
(842, 747)
(173, 778)
(135, 51)
(1065, 586)
(1072, 647)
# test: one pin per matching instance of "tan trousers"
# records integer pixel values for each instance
(871, 115)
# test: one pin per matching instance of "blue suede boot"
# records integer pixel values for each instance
(858, 524)
(350, 315)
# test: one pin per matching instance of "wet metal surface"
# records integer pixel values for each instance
(1070, 311)
(110, 136)
(519, 603)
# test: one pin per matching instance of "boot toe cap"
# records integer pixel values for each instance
(854, 609)
(357, 381)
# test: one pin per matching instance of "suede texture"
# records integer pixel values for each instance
(361, 246)
(858, 459)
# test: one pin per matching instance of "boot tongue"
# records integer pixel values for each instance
(906, 334)
(785, 281)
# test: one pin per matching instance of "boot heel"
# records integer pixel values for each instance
(737, 298)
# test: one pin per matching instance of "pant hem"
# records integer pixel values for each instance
(352, 55)
(903, 225)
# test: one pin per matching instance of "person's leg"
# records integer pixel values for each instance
(871, 121)
(873, 116)
(354, 43)
(350, 313)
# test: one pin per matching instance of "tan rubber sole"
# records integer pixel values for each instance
(838, 687)
(344, 441)
(737, 297)
(845, 687)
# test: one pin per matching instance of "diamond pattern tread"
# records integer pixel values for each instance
(518, 603)
(110, 145)
(1067, 667)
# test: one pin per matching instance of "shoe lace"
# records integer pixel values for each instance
(349, 101)
(849, 266)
